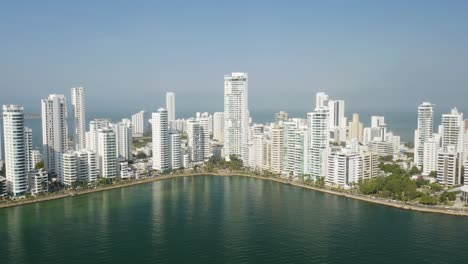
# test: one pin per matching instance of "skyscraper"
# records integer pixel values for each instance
(123, 135)
(140, 122)
(160, 140)
(236, 116)
(205, 125)
(355, 128)
(195, 138)
(321, 100)
(107, 153)
(170, 106)
(277, 149)
(218, 126)
(424, 131)
(15, 163)
(79, 115)
(175, 152)
(318, 141)
(54, 132)
(28, 148)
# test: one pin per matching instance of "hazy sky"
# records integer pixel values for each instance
(388, 54)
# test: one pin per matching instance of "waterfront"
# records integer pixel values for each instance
(225, 219)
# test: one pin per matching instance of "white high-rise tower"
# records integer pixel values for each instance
(424, 131)
(160, 140)
(170, 106)
(54, 132)
(78, 103)
(13, 132)
(236, 116)
(318, 141)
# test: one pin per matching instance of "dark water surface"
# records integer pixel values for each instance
(225, 220)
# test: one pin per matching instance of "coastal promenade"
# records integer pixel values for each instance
(225, 173)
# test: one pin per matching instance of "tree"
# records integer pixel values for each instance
(320, 182)
(414, 170)
(433, 174)
(39, 165)
(428, 200)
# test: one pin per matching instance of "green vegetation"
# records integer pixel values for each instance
(39, 165)
(433, 174)
(428, 200)
(447, 196)
(141, 142)
(409, 155)
(388, 158)
(395, 186)
(414, 170)
(391, 168)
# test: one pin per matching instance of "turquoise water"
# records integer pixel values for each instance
(225, 220)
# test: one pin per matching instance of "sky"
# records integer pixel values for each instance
(388, 55)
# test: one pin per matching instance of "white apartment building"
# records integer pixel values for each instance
(175, 151)
(160, 135)
(424, 131)
(431, 148)
(318, 141)
(205, 123)
(15, 156)
(38, 181)
(236, 115)
(295, 149)
(79, 115)
(107, 153)
(170, 106)
(54, 132)
(218, 126)
(140, 122)
(196, 140)
(28, 148)
(449, 166)
(123, 134)
(92, 134)
(277, 149)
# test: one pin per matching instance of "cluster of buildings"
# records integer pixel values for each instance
(442, 152)
(321, 145)
(101, 152)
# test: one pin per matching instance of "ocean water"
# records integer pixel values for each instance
(225, 220)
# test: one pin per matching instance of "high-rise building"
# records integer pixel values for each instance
(280, 117)
(92, 135)
(453, 130)
(28, 148)
(54, 132)
(431, 148)
(123, 134)
(36, 157)
(170, 106)
(424, 131)
(79, 115)
(355, 128)
(204, 120)
(449, 166)
(107, 153)
(295, 136)
(321, 100)
(218, 126)
(80, 166)
(318, 141)
(69, 170)
(277, 149)
(140, 123)
(195, 140)
(160, 140)
(15, 157)
(236, 116)
(175, 152)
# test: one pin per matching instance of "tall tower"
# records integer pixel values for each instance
(236, 116)
(54, 132)
(160, 140)
(170, 106)
(78, 103)
(107, 153)
(13, 132)
(218, 126)
(28, 147)
(424, 131)
(123, 134)
(195, 140)
(318, 141)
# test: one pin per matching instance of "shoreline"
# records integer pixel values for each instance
(398, 205)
